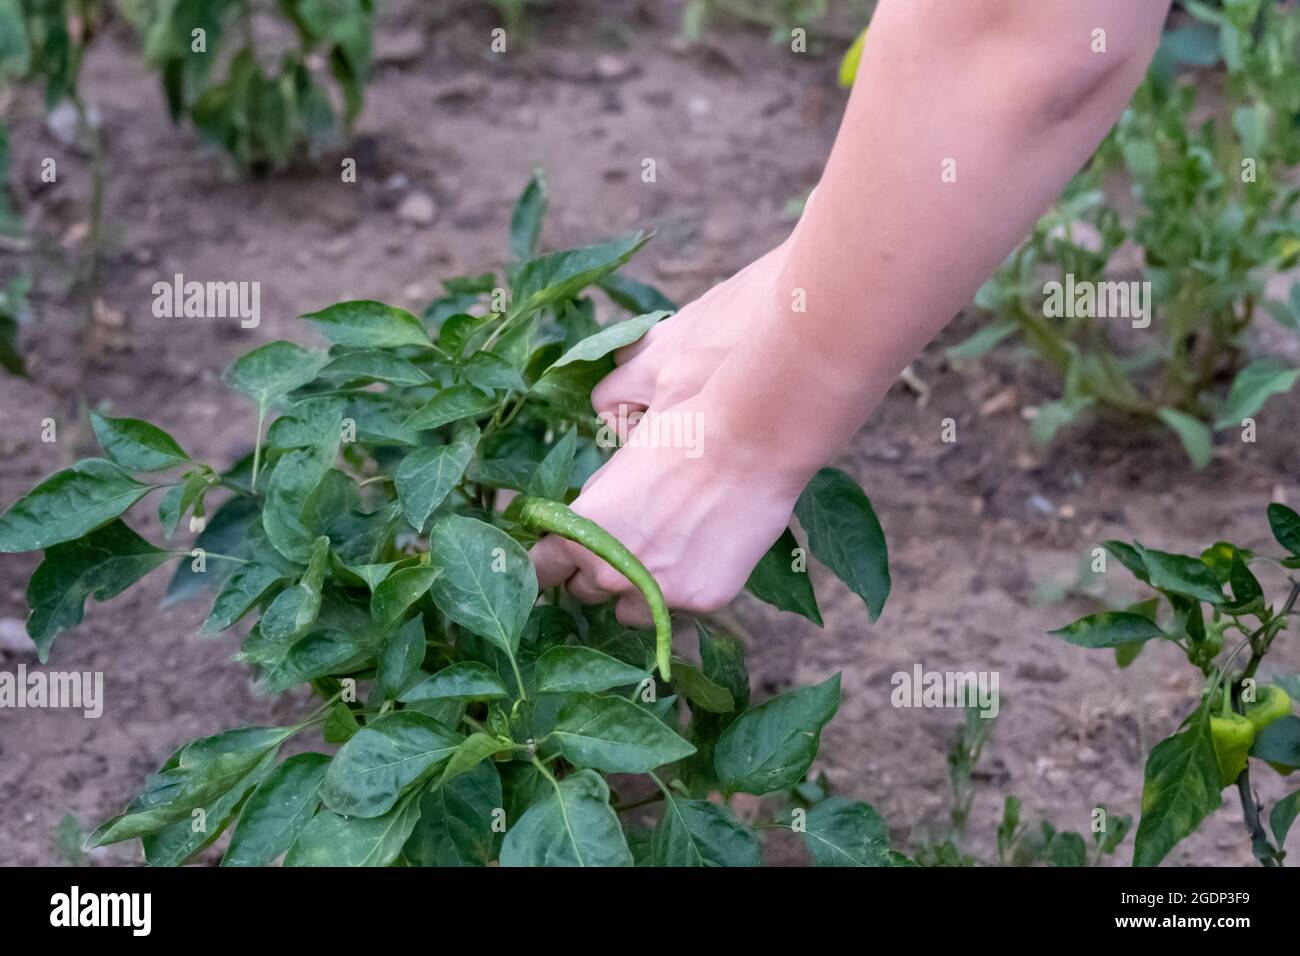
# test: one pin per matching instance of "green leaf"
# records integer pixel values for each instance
(333, 840)
(614, 735)
(228, 532)
(295, 609)
(179, 499)
(486, 581)
(843, 832)
(318, 654)
(1109, 629)
(1067, 849)
(489, 371)
(369, 325)
(197, 774)
(1192, 432)
(246, 587)
(1180, 788)
(425, 477)
(983, 341)
(1245, 586)
(1279, 742)
(341, 724)
(471, 752)
(703, 693)
(400, 658)
(1254, 385)
(452, 404)
(176, 843)
(772, 746)
(456, 821)
(1283, 815)
(845, 535)
(568, 382)
(526, 220)
(278, 811)
(398, 592)
(700, 833)
(572, 826)
(552, 477)
(776, 580)
(272, 371)
(723, 659)
(296, 475)
(1130, 557)
(368, 366)
(1182, 574)
(566, 669)
(636, 297)
(67, 505)
(137, 445)
(464, 680)
(1285, 525)
(562, 275)
(370, 771)
(101, 565)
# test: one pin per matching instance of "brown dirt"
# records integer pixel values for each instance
(979, 530)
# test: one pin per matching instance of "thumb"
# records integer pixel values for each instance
(553, 562)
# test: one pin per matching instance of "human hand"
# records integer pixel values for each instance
(675, 358)
(699, 517)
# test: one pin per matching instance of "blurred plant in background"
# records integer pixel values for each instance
(264, 106)
(1208, 214)
(779, 17)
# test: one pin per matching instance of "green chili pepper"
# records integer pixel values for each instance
(539, 514)
(1232, 734)
(1272, 703)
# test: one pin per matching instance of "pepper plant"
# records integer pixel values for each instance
(45, 41)
(1211, 205)
(264, 110)
(1018, 843)
(375, 536)
(1203, 603)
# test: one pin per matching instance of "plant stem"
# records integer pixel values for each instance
(213, 554)
(257, 448)
(1250, 813)
(1273, 627)
(519, 678)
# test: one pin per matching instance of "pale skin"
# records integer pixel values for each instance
(886, 253)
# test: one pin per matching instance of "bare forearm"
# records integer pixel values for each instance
(966, 121)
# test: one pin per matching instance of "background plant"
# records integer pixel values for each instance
(45, 41)
(1213, 213)
(1201, 604)
(372, 535)
(1018, 843)
(263, 107)
(778, 17)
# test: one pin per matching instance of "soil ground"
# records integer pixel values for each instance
(982, 532)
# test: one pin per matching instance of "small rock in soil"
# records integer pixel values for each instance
(398, 48)
(418, 209)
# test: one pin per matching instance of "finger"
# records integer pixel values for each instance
(633, 611)
(631, 386)
(583, 587)
(553, 560)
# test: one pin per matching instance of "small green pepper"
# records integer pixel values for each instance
(1232, 734)
(1271, 704)
(539, 514)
